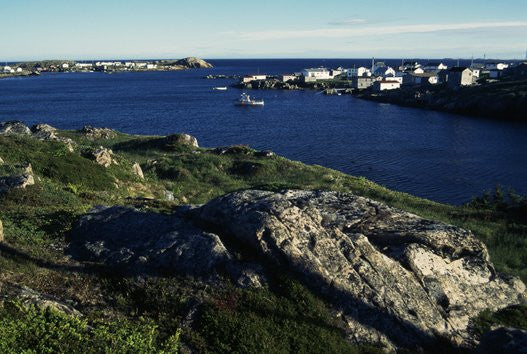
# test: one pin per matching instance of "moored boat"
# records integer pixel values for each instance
(220, 88)
(246, 100)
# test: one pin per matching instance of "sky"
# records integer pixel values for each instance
(132, 29)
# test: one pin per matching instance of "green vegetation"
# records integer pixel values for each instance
(512, 316)
(147, 314)
(30, 330)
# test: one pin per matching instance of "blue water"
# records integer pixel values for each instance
(443, 157)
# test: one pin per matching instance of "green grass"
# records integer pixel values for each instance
(284, 317)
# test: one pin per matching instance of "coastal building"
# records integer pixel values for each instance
(418, 70)
(315, 74)
(65, 66)
(384, 71)
(84, 65)
(8, 69)
(287, 77)
(19, 70)
(457, 76)
(495, 74)
(362, 82)
(384, 85)
(434, 66)
(360, 71)
(151, 66)
(409, 66)
(248, 78)
(396, 78)
(424, 79)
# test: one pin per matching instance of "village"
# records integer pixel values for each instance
(381, 77)
(37, 67)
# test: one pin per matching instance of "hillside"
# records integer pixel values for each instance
(154, 244)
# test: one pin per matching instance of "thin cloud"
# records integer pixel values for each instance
(348, 22)
(373, 30)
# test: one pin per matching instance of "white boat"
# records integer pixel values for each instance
(246, 100)
(220, 88)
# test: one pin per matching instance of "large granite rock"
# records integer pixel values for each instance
(102, 156)
(98, 133)
(399, 279)
(14, 127)
(173, 140)
(139, 242)
(48, 133)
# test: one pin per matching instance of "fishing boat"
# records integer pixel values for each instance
(246, 100)
(220, 88)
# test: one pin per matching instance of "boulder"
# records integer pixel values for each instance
(503, 340)
(30, 298)
(14, 127)
(397, 278)
(136, 169)
(48, 133)
(2, 161)
(98, 133)
(102, 156)
(140, 242)
(194, 63)
(180, 139)
(16, 182)
(1, 231)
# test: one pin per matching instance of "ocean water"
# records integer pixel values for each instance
(439, 156)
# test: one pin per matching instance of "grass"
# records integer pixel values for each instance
(286, 316)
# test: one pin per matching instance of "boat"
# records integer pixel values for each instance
(220, 88)
(246, 100)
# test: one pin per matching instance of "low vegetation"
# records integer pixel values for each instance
(138, 315)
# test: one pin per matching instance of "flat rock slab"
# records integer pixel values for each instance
(144, 242)
(398, 278)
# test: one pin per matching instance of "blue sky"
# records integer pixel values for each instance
(31, 29)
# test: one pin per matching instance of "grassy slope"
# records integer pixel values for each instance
(37, 219)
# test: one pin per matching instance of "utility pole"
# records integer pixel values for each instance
(372, 63)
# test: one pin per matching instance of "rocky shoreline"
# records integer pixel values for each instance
(125, 209)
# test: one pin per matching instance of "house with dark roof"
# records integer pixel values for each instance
(456, 76)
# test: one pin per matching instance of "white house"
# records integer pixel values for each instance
(418, 70)
(475, 72)
(386, 85)
(360, 71)
(398, 79)
(384, 71)
(65, 66)
(432, 66)
(314, 74)
(151, 66)
(19, 70)
(249, 78)
(8, 69)
(288, 77)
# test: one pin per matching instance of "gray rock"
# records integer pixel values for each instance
(102, 156)
(16, 182)
(98, 133)
(181, 139)
(30, 297)
(193, 62)
(139, 242)
(48, 133)
(2, 161)
(14, 127)
(136, 168)
(503, 340)
(169, 196)
(397, 278)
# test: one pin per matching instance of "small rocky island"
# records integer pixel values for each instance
(227, 249)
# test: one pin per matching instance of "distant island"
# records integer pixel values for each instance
(36, 67)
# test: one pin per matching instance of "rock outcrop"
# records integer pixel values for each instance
(397, 278)
(194, 63)
(20, 180)
(48, 133)
(139, 242)
(98, 133)
(14, 127)
(102, 156)
(137, 170)
(1, 231)
(180, 139)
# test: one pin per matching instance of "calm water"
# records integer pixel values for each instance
(444, 157)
